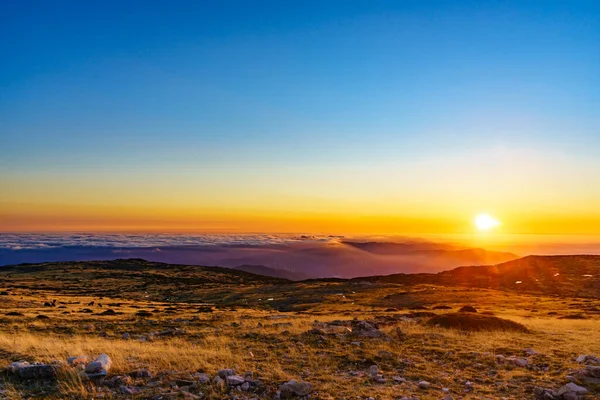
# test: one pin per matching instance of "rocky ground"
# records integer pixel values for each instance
(262, 339)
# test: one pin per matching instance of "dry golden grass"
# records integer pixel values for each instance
(279, 348)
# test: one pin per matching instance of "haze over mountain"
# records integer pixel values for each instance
(296, 258)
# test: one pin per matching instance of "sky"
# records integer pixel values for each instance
(300, 116)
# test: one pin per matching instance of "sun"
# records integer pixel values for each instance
(485, 222)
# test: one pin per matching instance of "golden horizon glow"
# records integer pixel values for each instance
(421, 196)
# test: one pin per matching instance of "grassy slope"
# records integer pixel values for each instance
(278, 348)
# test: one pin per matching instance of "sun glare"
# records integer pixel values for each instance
(485, 222)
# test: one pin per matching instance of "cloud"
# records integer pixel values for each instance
(26, 241)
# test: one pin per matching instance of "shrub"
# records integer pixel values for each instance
(475, 322)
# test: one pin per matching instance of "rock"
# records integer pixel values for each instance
(126, 336)
(183, 382)
(374, 374)
(590, 374)
(469, 385)
(468, 309)
(203, 378)
(530, 352)
(591, 370)
(42, 371)
(519, 362)
(99, 367)
(234, 380)
(26, 371)
(398, 379)
(572, 388)
(224, 373)
(588, 359)
(14, 367)
(543, 393)
(373, 370)
(294, 388)
(141, 373)
(130, 389)
(367, 329)
(424, 385)
(447, 397)
(118, 381)
(218, 381)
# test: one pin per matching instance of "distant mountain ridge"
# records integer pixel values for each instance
(568, 275)
(573, 275)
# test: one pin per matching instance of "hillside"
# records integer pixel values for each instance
(571, 275)
(273, 272)
(130, 278)
(179, 331)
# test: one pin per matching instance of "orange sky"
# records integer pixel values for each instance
(530, 191)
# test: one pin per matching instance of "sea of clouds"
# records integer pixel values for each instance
(38, 241)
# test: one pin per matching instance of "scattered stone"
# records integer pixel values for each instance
(366, 329)
(224, 373)
(130, 390)
(424, 385)
(572, 391)
(590, 374)
(218, 381)
(203, 378)
(519, 362)
(294, 388)
(235, 380)
(141, 373)
(588, 359)
(27, 371)
(99, 367)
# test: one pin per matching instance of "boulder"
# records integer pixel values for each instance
(99, 367)
(571, 388)
(588, 359)
(141, 373)
(293, 388)
(590, 374)
(224, 373)
(367, 329)
(235, 380)
(27, 371)
(203, 378)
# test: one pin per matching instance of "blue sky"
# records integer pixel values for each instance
(130, 86)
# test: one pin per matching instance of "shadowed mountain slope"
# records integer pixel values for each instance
(574, 275)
